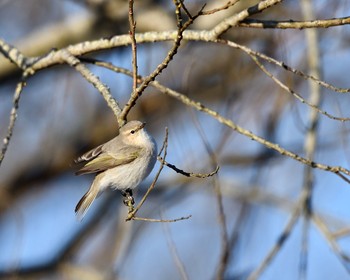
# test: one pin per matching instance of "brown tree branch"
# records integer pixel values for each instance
(13, 117)
(227, 23)
(293, 24)
(94, 80)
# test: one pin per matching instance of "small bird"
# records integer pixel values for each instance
(121, 163)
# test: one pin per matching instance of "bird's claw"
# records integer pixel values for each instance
(129, 199)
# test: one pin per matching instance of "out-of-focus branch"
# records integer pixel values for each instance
(221, 217)
(174, 253)
(310, 142)
(74, 29)
(323, 228)
(279, 243)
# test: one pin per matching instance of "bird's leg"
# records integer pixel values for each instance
(129, 199)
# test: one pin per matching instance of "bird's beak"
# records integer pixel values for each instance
(140, 127)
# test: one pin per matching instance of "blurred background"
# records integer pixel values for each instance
(62, 116)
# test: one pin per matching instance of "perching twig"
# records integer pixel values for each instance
(161, 220)
(164, 147)
(133, 211)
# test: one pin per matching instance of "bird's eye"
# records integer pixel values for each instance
(132, 131)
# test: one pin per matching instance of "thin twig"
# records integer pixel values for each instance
(183, 6)
(188, 174)
(132, 213)
(132, 26)
(224, 7)
(13, 117)
(161, 220)
(343, 257)
(227, 23)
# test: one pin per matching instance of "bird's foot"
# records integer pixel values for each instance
(129, 199)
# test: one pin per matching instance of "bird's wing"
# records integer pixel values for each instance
(90, 155)
(105, 160)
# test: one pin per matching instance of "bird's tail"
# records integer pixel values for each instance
(86, 201)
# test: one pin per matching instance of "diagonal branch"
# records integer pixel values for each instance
(227, 23)
(13, 117)
(338, 170)
(94, 80)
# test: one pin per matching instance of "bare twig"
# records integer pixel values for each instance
(132, 212)
(227, 23)
(161, 220)
(292, 24)
(13, 117)
(132, 26)
(188, 174)
(224, 7)
(183, 6)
